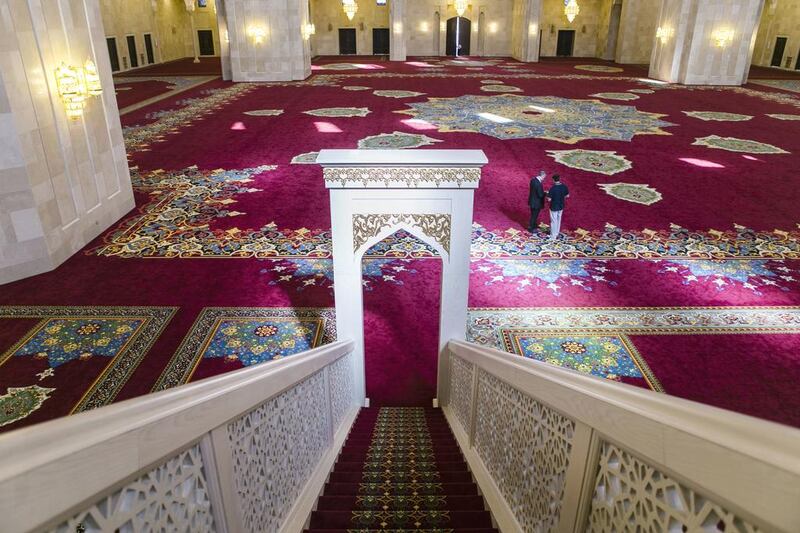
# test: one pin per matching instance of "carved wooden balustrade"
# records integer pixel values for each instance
(554, 450)
(245, 451)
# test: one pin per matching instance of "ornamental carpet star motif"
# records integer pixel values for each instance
(632, 192)
(598, 68)
(732, 144)
(616, 96)
(599, 161)
(396, 140)
(338, 112)
(511, 116)
(717, 116)
(500, 89)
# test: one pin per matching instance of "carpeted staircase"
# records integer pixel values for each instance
(401, 469)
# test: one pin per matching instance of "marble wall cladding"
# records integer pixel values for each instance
(605, 49)
(224, 43)
(62, 181)
(637, 31)
(781, 18)
(266, 41)
(328, 17)
(586, 26)
(398, 30)
(426, 21)
(168, 23)
(692, 55)
(526, 25)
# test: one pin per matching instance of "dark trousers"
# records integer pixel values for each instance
(533, 225)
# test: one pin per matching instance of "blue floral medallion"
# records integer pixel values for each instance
(510, 116)
(752, 274)
(60, 340)
(553, 274)
(605, 356)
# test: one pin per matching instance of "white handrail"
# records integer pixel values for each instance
(71, 462)
(745, 467)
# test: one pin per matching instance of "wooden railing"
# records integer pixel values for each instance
(245, 451)
(555, 450)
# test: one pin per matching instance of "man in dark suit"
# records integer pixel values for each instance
(536, 200)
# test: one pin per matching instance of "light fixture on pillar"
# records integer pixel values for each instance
(92, 77)
(350, 8)
(258, 33)
(308, 30)
(460, 6)
(571, 9)
(664, 33)
(76, 84)
(71, 89)
(722, 37)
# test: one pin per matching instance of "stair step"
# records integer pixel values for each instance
(405, 466)
(401, 477)
(350, 530)
(399, 519)
(334, 488)
(441, 457)
(452, 502)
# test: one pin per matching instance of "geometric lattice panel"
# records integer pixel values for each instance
(275, 449)
(171, 497)
(461, 372)
(631, 495)
(342, 389)
(526, 447)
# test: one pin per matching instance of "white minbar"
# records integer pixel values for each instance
(374, 193)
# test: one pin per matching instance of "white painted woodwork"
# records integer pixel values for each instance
(121, 447)
(540, 440)
(405, 183)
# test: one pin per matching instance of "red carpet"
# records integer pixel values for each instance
(129, 93)
(757, 72)
(208, 66)
(230, 238)
(401, 469)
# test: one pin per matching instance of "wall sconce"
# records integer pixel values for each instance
(533, 30)
(75, 85)
(308, 30)
(460, 6)
(722, 37)
(226, 37)
(423, 27)
(398, 28)
(492, 27)
(258, 33)
(443, 26)
(664, 34)
(92, 77)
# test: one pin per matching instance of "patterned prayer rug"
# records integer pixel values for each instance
(63, 360)
(224, 339)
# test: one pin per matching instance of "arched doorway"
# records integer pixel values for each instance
(458, 36)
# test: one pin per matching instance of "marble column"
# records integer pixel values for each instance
(266, 40)
(705, 42)
(224, 41)
(398, 32)
(525, 30)
(63, 181)
(637, 30)
(190, 7)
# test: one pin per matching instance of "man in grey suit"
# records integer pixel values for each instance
(536, 198)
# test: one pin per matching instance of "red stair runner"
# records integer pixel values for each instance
(401, 470)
